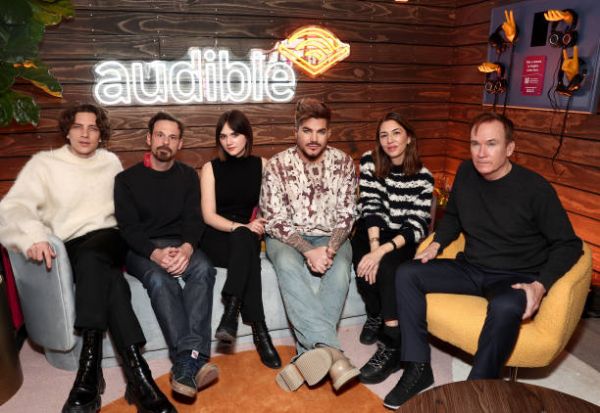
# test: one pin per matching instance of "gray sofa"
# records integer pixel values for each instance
(48, 304)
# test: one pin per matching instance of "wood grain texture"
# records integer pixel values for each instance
(497, 396)
(307, 9)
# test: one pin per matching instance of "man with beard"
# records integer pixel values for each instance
(157, 205)
(308, 199)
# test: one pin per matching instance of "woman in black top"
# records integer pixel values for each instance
(395, 208)
(230, 188)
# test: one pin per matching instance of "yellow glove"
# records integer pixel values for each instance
(509, 26)
(488, 67)
(570, 66)
(558, 15)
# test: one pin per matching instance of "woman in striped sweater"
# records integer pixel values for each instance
(394, 204)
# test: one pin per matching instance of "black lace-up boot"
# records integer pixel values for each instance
(89, 382)
(141, 388)
(416, 377)
(370, 330)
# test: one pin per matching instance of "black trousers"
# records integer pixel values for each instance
(102, 295)
(505, 308)
(239, 252)
(379, 298)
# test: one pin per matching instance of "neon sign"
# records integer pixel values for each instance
(313, 49)
(206, 75)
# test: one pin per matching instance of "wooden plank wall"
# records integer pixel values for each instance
(386, 70)
(576, 172)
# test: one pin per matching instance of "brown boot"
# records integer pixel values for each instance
(342, 370)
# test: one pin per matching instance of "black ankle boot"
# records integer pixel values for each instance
(227, 329)
(89, 383)
(141, 388)
(370, 330)
(384, 362)
(264, 345)
(416, 377)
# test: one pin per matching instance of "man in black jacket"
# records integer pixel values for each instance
(157, 205)
(519, 241)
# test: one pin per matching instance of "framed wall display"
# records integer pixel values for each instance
(532, 64)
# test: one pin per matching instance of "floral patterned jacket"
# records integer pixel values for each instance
(309, 198)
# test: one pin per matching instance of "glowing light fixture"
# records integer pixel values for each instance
(313, 49)
(206, 75)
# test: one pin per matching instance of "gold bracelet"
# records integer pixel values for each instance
(373, 239)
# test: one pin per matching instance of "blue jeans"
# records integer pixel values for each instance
(184, 313)
(313, 303)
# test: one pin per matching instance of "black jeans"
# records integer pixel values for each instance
(102, 295)
(505, 308)
(183, 313)
(379, 298)
(239, 252)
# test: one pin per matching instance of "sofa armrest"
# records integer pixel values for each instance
(47, 298)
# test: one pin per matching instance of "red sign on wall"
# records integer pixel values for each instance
(532, 80)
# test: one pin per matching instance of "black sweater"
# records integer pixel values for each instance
(152, 204)
(515, 223)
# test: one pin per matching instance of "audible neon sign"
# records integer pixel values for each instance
(205, 76)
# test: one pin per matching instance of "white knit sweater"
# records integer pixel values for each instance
(60, 193)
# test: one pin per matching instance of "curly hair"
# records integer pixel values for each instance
(67, 118)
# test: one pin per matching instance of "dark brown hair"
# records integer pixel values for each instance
(67, 118)
(307, 108)
(165, 116)
(486, 117)
(239, 123)
(412, 163)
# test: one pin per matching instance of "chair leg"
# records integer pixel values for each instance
(513, 373)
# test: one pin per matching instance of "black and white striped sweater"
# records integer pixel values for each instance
(399, 203)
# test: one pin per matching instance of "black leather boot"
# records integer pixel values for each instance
(89, 382)
(384, 362)
(370, 330)
(264, 345)
(227, 329)
(416, 377)
(141, 388)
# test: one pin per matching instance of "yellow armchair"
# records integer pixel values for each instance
(458, 319)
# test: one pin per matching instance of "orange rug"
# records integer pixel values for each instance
(247, 386)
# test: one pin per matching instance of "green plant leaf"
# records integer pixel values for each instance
(39, 74)
(50, 13)
(22, 42)
(6, 109)
(7, 76)
(15, 12)
(25, 110)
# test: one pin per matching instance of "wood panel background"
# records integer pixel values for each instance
(418, 59)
